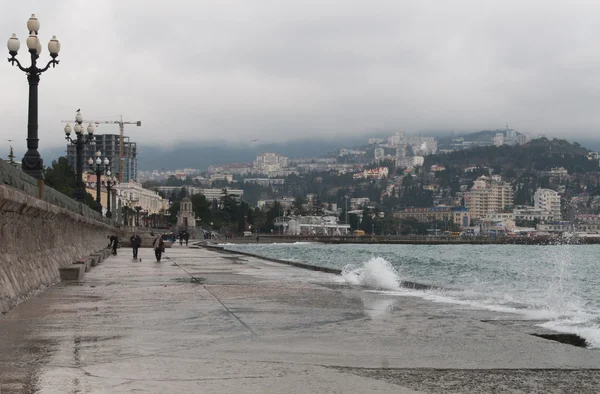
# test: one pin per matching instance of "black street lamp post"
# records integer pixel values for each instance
(110, 181)
(32, 163)
(101, 167)
(79, 143)
(137, 216)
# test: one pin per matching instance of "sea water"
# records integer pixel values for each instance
(557, 285)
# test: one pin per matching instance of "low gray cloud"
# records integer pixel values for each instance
(276, 70)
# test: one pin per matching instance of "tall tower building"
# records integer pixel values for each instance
(108, 144)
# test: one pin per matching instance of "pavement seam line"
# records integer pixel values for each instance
(254, 335)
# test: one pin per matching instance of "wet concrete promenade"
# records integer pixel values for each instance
(244, 325)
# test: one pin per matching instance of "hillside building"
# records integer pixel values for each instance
(548, 201)
(488, 195)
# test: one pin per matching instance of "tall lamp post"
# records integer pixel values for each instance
(101, 166)
(137, 217)
(110, 181)
(79, 143)
(32, 163)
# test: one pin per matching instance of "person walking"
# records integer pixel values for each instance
(186, 237)
(114, 242)
(136, 242)
(158, 246)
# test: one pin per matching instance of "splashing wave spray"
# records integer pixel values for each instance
(377, 273)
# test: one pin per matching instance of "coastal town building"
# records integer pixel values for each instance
(132, 194)
(109, 146)
(269, 163)
(378, 154)
(310, 225)
(548, 201)
(556, 174)
(488, 195)
(459, 216)
(375, 173)
(186, 220)
(530, 214)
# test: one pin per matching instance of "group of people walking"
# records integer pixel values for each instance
(136, 241)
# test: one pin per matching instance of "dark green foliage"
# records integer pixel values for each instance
(62, 178)
(539, 154)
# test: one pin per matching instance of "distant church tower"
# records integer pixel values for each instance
(185, 218)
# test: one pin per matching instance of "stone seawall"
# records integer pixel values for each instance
(37, 236)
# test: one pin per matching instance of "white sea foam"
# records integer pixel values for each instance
(562, 310)
(376, 273)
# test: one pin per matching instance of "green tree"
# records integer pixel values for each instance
(61, 177)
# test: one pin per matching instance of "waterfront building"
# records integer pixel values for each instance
(310, 225)
(525, 213)
(488, 195)
(459, 216)
(548, 201)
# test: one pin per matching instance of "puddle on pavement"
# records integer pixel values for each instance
(195, 280)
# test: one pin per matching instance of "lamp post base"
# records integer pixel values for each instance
(33, 164)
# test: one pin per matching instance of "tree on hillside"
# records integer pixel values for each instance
(61, 177)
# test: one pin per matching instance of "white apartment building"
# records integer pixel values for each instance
(488, 195)
(216, 194)
(499, 139)
(378, 154)
(549, 201)
(133, 194)
(531, 214)
(270, 162)
(410, 161)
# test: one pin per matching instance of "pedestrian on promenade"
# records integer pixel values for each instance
(136, 242)
(159, 247)
(181, 238)
(114, 242)
(186, 237)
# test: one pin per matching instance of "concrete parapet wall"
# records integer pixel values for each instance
(39, 236)
(14, 177)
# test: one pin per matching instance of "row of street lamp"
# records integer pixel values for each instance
(32, 163)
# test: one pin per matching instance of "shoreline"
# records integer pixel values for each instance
(415, 240)
(406, 284)
(569, 338)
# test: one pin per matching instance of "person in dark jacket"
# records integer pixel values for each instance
(186, 237)
(159, 247)
(136, 242)
(114, 242)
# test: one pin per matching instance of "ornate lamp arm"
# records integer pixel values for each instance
(52, 62)
(14, 60)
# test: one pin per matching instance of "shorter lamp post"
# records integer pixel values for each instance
(110, 182)
(137, 216)
(79, 143)
(101, 166)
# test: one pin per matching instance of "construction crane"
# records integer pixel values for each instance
(121, 124)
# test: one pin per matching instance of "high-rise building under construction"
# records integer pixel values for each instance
(108, 145)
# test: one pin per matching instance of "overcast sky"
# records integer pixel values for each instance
(282, 69)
